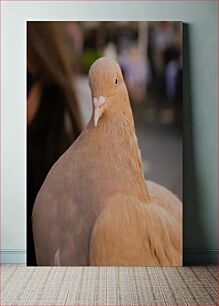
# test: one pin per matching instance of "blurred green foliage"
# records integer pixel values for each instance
(89, 56)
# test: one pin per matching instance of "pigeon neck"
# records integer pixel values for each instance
(120, 126)
(117, 128)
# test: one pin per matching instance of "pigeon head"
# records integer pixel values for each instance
(107, 86)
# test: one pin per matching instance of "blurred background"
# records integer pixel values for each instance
(59, 55)
(150, 55)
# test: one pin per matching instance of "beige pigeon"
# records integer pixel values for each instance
(94, 207)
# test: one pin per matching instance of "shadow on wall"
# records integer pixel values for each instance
(192, 224)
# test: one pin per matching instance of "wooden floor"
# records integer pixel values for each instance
(108, 286)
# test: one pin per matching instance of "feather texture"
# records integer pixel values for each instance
(94, 207)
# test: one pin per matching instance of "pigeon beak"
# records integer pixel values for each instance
(97, 115)
(98, 108)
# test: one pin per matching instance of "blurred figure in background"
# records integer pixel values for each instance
(136, 72)
(74, 43)
(53, 115)
(166, 58)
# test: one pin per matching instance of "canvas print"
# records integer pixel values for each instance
(104, 143)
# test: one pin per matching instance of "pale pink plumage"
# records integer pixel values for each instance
(94, 207)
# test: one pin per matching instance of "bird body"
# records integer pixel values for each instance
(94, 207)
